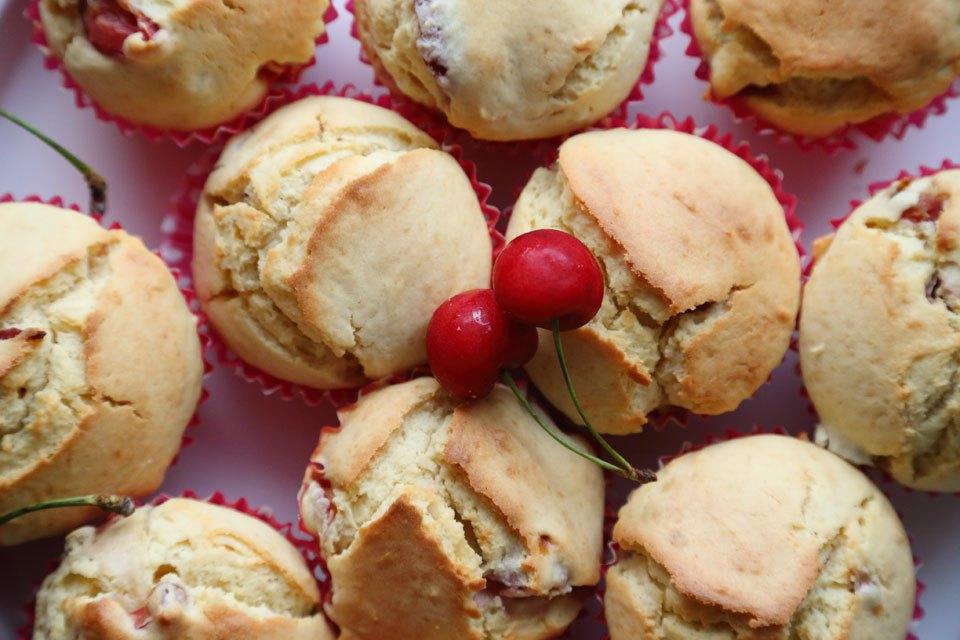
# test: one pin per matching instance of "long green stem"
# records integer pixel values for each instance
(508, 380)
(112, 504)
(565, 370)
(96, 183)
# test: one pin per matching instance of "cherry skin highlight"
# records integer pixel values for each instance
(546, 275)
(466, 342)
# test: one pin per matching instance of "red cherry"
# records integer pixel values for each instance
(522, 343)
(466, 342)
(108, 25)
(545, 275)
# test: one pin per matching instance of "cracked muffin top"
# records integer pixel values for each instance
(760, 537)
(327, 235)
(184, 569)
(701, 274)
(83, 409)
(489, 525)
(180, 64)
(883, 372)
(506, 70)
(813, 66)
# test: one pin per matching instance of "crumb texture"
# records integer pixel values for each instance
(699, 280)
(311, 231)
(78, 308)
(208, 62)
(896, 351)
(813, 66)
(408, 475)
(471, 59)
(787, 542)
(185, 569)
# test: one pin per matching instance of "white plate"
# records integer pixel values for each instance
(255, 446)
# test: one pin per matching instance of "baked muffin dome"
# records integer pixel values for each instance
(189, 64)
(506, 70)
(702, 277)
(440, 521)
(326, 237)
(758, 538)
(100, 365)
(882, 372)
(184, 569)
(811, 67)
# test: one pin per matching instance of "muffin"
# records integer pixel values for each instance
(701, 274)
(440, 521)
(180, 64)
(100, 365)
(811, 67)
(882, 372)
(758, 538)
(327, 235)
(507, 70)
(183, 570)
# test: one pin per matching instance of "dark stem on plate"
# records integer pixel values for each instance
(95, 182)
(121, 505)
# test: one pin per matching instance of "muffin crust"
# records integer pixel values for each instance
(813, 66)
(763, 537)
(507, 70)
(208, 62)
(882, 373)
(702, 278)
(82, 410)
(439, 521)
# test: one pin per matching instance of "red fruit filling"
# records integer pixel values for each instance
(13, 332)
(141, 617)
(318, 475)
(108, 24)
(927, 210)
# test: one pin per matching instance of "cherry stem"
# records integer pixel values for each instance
(111, 504)
(509, 381)
(629, 471)
(96, 183)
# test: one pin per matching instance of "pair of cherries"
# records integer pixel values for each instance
(541, 278)
(547, 279)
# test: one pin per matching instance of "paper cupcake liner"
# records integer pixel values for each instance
(661, 418)
(661, 30)
(734, 434)
(306, 545)
(177, 249)
(923, 171)
(184, 287)
(891, 125)
(273, 99)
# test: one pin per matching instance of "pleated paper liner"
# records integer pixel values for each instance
(520, 150)
(177, 246)
(613, 549)
(304, 544)
(892, 125)
(666, 415)
(290, 74)
(875, 473)
(187, 292)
